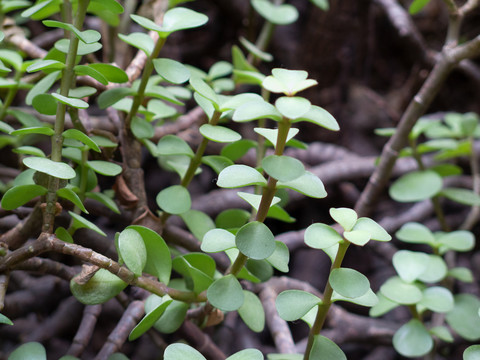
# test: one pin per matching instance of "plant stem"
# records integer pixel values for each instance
(57, 139)
(268, 192)
(327, 301)
(147, 72)
(10, 96)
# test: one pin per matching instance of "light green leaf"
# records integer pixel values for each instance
(43, 130)
(240, 175)
(45, 65)
(283, 168)
(99, 289)
(173, 145)
(376, 232)
(464, 318)
(442, 332)
(79, 222)
(30, 351)
(325, 349)
(70, 195)
(345, 217)
(276, 14)
(5, 320)
(416, 186)
(256, 109)
(198, 223)
(110, 72)
(472, 353)
(226, 293)
(63, 46)
(357, 237)
(437, 299)
(307, 184)
(56, 169)
(272, 134)
(45, 104)
(139, 40)
(172, 318)
(410, 264)
(401, 292)
(141, 128)
(90, 71)
(219, 133)
(87, 36)
(80, 136)
(368, 299)
(321, 236)
(131, 249)
(255, 51)
(293, 304)
(174, 199)
(349, 282)
(288, 82)
(413, 339)
(112, 96)
(383, 306)
(460, 240)
(255, 240)
(149, 320)
(280, 257)
(415, 233)
(461, 273)
(171, 70)
(292, 107)
(435, 271)
(217, 240)
(181, 351)
(254, 199)
(462, 196)
(76, 103)
(216, 162)
(252, 312)
(104, 167)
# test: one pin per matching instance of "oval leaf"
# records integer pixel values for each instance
(99, 289)
(413, 339)
(416, 186)
(20, 195)
(293, 304)
(252, 312)
(56, 169)
(321, 236)
(349, 282)
(174, 199)
(226, 293)
(238, 176)
(181, 351)
(255, 240)
(283, 168)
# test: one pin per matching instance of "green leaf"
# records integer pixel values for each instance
(217, 163)
(12, 58)
(159, 261)
(292, 107)
(82, 91)
(461, 273)
(219, 133)
(320, 117)
(112, 96)
(160, 109)
(417, 5)
(368, 299)
(197, 268)
(45, 65)
(325, 349)
(217, 240)
(89, 71)
(240, 175)
(321, 236)
(202, 88)
(45, 104)
(32, 10)
(56, 169)
(70, 195)
(401, 292)
(416, 186)
(472, 353)
(357, 237)
(99, 289)
(219, 69)
(293, 304)
(383, 306)
(172, 318)
(5, 320)
(132, 250)
(435, 271)
(410, 264)
(30, 351)
(252, 312)
(87, 36)
(173, 145)
(254, 200)
(79, 222)
(437, 299)
(110, 72)
(255, 240)
(104, 167)
(284, 356)
(148, 320)
(376, 232)
(255, 51)
(345, 217)
(283, 168)
(276, 14)
(349, 282)
(280, 257)
(322, 4)
(256, 109)
(226, 293)
(198, 223)
(174, 200)
(171, 70)
(462, 196)
(236, 150)
(232, 218)
(181, 351)
(246, 354)
(415, 233)
(464, 317)
(460, 240)
(443, 333)
(80, 136)
(139, 40)
(63, 235)
(76, 103)
(307, 184)
(63, 46)
(174, 20)
(288, 82)
(413, 339)
(43, 130)
(272, 134)
(141, 128)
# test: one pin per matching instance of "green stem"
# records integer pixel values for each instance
(57, 139)
(147, 72)
(327, 301)
(268, 192)
(10, 96)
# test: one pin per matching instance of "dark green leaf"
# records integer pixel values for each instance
(30, 351)
(148, 320)
(87, 36)
(70, 195)
(172, 318)
(417, 5)
(217, 163)
(79, 222)
(45, 104)
(45, 65)
(80, 136)
(110, 72)
(5, 320)
(44, 130)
